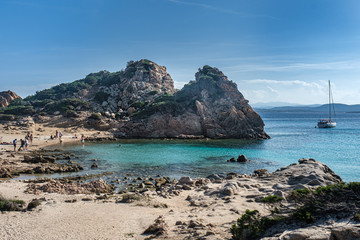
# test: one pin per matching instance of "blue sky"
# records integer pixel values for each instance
(276, 51)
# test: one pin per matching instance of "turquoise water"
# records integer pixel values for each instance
(293, 137)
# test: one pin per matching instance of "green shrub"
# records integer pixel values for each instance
(304, 214)
(166, 97)
(138, 104)
(7, 117)
(251, 225)
(10, 204)
(41, 103)
(71, 113)
(112, 78)
(19, 110)
(130, 72)
(95, 116)
(33, 204)
(271, 199)
(301, 192)
(357, 217)
(65, 104)
(129, 198)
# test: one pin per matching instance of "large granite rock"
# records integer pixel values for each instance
(211, 106)
(6, 97)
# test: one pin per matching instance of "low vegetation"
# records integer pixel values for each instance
(95, 116)
(340, 200)
(129, 198)
(11, 204)
(251, 225)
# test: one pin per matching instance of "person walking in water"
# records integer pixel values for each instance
(82, 138)
(14, 143)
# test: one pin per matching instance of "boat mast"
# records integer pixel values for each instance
(329, 102)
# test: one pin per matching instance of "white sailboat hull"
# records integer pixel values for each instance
(326, 124)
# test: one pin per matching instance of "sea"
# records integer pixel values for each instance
(293, 136)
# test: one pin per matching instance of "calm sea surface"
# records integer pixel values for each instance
(293, 136)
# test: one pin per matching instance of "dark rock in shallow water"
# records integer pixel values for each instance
(242, 159)
(39, 159)
(94, 165)
(231, 160)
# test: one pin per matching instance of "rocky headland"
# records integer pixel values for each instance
(141, 102)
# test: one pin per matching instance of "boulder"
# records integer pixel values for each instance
(345, 233)
(159, 227)
(242, 159)
(186, 180)
(5, 173)
(261, 172)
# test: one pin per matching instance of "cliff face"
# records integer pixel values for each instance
(6, 97)
(139, 84)
(211, 106)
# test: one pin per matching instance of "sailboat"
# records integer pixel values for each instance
(328, 123)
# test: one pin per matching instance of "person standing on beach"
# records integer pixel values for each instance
(56, 134)
(31, 138)
(14, 143)
(60, 136)
(26, 144)
(22, 143)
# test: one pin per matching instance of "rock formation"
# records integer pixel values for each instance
(211, 106)
(141, 102)
(6, 97)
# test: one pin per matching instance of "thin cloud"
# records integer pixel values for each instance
(286, 83)
(210, 7)
(345, 65)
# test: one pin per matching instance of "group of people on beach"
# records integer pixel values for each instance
(58, 135)
(24, 143)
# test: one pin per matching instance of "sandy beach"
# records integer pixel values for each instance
(99, 219)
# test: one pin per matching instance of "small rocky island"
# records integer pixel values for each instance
(141, 102)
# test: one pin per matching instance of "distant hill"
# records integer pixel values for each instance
(339, 107)
(269, 105)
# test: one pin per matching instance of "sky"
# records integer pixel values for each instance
(276, 51)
